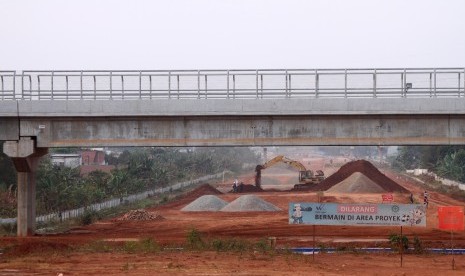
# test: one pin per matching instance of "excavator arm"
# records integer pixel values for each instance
(283, 159)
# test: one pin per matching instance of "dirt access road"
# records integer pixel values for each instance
(64, 253)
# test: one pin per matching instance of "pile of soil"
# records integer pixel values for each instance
(364, 167)
(205, 203)
(205, 189)
(140, 214)
(250, 203)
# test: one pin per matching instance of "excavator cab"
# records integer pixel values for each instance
(307, 177)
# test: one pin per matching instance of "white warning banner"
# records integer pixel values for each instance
(357, 214)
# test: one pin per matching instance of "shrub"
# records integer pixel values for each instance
(194, 240)
(89, 217)
(9, 228)
(164, 199)
(130, 247)
(417, 246)
(322, 247)
(263, 246)
(99, 246)
(230, 245)
(147, 245)
(397, 240)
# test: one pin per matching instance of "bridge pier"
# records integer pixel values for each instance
(25, 156)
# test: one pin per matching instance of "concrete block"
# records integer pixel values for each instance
(17, 149)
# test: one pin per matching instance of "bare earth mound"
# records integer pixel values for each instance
(205, 203)
(140, 214)
(250, 203)
(367, 169)
(205, 189)
(356, 183)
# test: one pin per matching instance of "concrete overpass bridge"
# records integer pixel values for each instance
(43, 109)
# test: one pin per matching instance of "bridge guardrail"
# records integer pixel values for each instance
(233, 84)
(7, 85)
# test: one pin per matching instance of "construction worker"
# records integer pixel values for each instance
(425, 199)
(235, 186)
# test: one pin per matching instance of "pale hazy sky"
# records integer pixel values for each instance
(230, 34)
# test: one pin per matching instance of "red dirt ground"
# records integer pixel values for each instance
(48, 254)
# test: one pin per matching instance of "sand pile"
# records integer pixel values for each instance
(249, 203)
(205, 203)
(364, 167)
(141, 214)
(356, 183)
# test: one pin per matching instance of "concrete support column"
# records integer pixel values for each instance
(26, 204)
(25, 157)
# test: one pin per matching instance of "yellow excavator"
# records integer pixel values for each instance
(305, 176)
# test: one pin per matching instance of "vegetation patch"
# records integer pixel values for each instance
(194, 240)
(398, 242)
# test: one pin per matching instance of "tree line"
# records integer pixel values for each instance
(445, 161)
(136, 170)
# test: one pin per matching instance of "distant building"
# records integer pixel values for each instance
(70, 160)
(93, 157)
(89, 161)
(94, 160)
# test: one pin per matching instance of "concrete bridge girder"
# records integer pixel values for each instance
(247, 130)
(9, 129)
(235, 122)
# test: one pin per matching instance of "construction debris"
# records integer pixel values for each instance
(140, 214)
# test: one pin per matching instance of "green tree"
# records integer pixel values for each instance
(55, 186)
(138, 169)
(453, 166)
(7, 171)
(409, 157)
(446, 161)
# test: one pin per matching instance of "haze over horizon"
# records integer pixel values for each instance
(230, 34)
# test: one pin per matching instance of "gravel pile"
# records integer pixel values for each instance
(141, 214)
(356, 183)
(205, 203)
(249, 203)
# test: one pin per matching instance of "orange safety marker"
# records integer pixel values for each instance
(451, 218)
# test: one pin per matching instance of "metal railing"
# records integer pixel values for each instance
(233, 84)
(7, 85)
